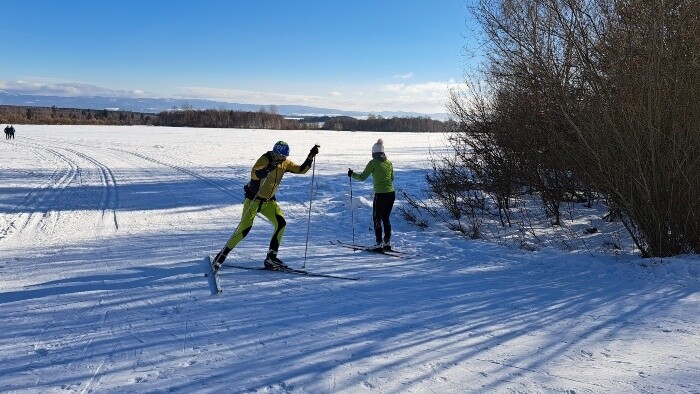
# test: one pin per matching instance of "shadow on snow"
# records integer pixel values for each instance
(158, 314)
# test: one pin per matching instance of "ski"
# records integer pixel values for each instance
(212, 276)
(393, 253)
(291, 271)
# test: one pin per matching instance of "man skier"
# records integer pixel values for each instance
(265, 178)
(382, 172)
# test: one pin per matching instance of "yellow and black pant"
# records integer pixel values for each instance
(270, 210)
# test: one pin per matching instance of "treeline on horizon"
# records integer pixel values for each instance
(11, 114)
(394, 124)
(215, 118)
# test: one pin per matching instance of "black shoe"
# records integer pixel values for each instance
(216, 263)
(376, 248)
(219, 258)
(272, 266)
(272, 263)
(387, 247)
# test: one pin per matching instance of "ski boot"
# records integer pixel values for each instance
(387, 244)
(219, 259)
(272, 263)
(376, 248)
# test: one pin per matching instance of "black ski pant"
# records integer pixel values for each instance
(381, 210)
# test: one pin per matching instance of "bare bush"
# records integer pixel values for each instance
(587, 97)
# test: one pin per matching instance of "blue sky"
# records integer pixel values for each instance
(381, 55)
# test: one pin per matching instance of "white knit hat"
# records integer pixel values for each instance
(378, 147)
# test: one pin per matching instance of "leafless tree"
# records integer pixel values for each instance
(593, 96)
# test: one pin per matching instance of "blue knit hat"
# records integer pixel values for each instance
(281, 148)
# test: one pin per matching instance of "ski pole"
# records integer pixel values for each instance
(308, 222)
(352, 213)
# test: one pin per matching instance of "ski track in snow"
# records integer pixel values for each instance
(110, 196)
(191, 173)
(109, 226)
(44, 195)
(63, 191)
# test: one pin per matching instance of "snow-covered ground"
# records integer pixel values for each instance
(103, 231)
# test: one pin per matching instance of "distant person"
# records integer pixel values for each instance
(265, 178)
(382, 172)
(12, 132)
(7, 132)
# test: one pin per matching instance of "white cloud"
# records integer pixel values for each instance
(427, 97)
(404, 76)
(47, 87)
(421, 97)
(428, 88)
(247, 96)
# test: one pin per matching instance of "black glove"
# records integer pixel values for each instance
(271, 166)
(349, 172)
(314, 151)
(264, 172)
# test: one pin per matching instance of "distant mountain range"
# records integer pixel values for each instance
(155, 105)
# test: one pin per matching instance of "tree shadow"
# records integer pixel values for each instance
(151, 323)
